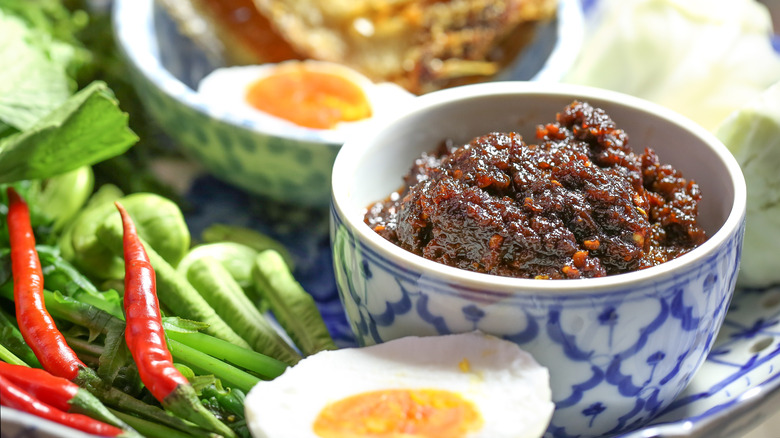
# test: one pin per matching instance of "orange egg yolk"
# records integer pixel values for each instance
(399, 413)
(313, 99)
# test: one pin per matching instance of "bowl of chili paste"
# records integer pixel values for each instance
(578, 202)
(600, 232)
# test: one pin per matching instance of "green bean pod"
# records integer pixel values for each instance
(292, 306)
(224, 294)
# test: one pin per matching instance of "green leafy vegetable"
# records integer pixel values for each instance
(159, 222)
(34, 79)
(89, 127)
(61, 276)
(702, 58)
(81, 245)
(753, 136)
(62, 196)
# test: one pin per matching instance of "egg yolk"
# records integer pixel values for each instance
(313, 99)
(399, 413)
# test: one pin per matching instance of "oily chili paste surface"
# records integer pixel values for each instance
(578, 203)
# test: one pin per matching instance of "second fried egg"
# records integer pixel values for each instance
(298, 95)
(458, 386)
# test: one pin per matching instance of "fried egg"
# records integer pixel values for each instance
(456, 386)
(296, 98)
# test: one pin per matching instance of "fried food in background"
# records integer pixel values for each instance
(422, 45)
(230, 32)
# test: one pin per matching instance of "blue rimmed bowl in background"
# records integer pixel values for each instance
(619, 348)
(295, 168)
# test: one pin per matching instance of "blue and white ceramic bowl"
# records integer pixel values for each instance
(292, 167)
(619, 348)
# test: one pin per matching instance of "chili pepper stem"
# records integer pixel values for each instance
(84, 402)
(113, 397)
(151, 429)
(61, 394)
(184, 402)
(15, 397)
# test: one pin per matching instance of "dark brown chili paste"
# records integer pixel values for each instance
(579, 203)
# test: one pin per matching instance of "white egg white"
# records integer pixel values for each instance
(509, 388)
(223, 93)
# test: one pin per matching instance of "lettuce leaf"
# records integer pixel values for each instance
(702, 58)
(34, 79)
(752, 134)
(88, 128)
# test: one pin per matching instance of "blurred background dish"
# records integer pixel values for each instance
(291, 166)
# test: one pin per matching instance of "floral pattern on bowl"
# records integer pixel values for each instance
(644, 365)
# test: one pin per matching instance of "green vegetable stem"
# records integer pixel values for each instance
(150, 429)
(223, 293)
(7, 356)
(207, 364)
(258, 363)
(292, 306)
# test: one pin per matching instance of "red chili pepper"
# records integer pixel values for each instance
(46, 387)
(60, 393)
(145, 336)
(35, 323)
(144, 332)
(13, 396)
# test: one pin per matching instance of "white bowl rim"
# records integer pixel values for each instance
(131, 15)
(347, 157)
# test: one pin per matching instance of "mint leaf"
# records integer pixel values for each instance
(88, 128)
(33, 80)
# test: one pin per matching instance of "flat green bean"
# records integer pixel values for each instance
(292, 306)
